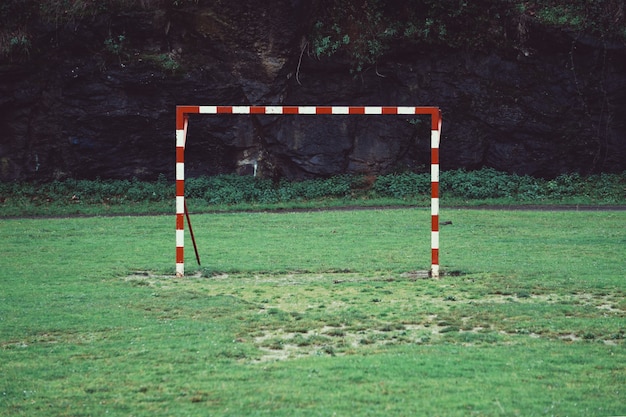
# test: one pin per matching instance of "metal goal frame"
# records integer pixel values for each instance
(182, 121)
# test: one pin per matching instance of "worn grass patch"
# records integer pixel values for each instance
(297, 315)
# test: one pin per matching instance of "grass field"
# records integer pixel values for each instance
(315, 314)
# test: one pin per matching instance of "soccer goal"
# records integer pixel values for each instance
(182, 121)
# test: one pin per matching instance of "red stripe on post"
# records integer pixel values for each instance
(180, 221)
(291, 110)
(434, 156)
(390, 110)
(180, 154)
(181, 114)
(257, 109)
(434, 223)
(180, 254)
(435, 256)
(435, 117)
(180, 188)
(356, 110)
(323, 110)
(224, 109)
(434, 190)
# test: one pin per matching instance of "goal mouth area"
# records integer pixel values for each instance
(182, 122)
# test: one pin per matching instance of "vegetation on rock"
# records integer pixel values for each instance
(363, 30)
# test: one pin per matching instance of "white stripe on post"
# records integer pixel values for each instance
(434, 207)
(373, 110)
(180, 205)
(180, 170)
(208, 109)
(180, 238)
(434, 173)
(307, 110)
(180, 138)
(274, 110)
(340, 110)
(435, 239)
(241, 109)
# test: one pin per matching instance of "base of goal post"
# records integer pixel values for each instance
(182, 121)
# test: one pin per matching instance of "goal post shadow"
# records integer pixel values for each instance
(182, 121)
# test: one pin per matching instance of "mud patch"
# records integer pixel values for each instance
(277, 345)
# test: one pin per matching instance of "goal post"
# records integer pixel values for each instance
(182, 121)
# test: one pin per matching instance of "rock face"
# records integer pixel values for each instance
(96, 99)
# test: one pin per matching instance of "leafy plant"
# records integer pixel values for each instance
(15, 44)
(601, 18)
(374, 27)
(115, 44)
(245, 192)
(364, 43)
(404, 185)
(167, 62)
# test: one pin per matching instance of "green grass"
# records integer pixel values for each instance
(315, 313)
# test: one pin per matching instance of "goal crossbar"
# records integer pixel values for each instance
(182, 121)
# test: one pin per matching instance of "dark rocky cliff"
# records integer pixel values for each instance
(95, 97)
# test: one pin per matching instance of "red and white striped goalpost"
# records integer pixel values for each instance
(182, 120)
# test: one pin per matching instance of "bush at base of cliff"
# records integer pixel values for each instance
(234, 192)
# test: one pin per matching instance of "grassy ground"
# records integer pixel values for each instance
(317, 313)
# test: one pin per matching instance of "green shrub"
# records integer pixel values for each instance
(335, 187)
(478, 186)
(404, 185)
(486, 183)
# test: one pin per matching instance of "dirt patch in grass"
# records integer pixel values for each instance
(294, 315)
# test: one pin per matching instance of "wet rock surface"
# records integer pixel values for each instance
(77, 107)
